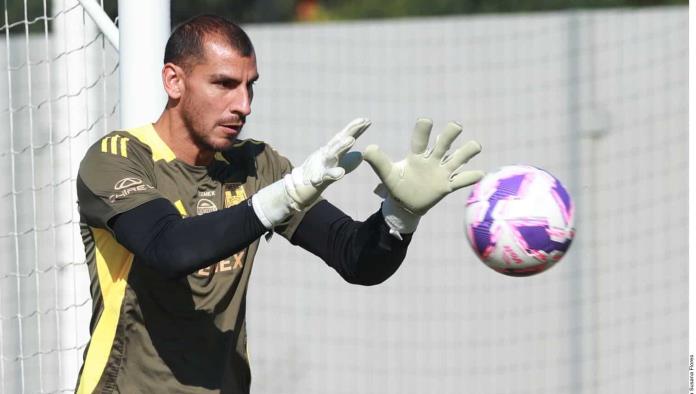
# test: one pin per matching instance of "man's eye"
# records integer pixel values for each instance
(226, 84)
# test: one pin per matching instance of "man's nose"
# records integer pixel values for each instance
(242, 103)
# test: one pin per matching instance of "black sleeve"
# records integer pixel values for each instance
(361, 252)
(176, 246)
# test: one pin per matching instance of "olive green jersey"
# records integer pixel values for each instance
(149, 333)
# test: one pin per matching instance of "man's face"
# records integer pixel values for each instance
(217, 95)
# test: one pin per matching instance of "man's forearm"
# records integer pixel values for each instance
(176, 247)
(361, 252)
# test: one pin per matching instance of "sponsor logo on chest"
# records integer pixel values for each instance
(233, 263)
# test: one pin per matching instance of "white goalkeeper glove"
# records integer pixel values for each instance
(301, 187)
(415, 184)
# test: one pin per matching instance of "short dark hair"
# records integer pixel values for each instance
(185, 45)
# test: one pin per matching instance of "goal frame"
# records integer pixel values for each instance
(140, 38)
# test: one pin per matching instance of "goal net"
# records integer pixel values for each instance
(58, 93)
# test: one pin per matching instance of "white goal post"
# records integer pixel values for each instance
(140, 39)
(144, 29)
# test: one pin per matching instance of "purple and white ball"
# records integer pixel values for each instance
(519, 220)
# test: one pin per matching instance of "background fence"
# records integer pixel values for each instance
(599, 98)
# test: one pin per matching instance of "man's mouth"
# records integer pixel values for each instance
(233, 128)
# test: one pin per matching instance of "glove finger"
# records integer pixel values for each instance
(462, 155)
(313, 175)
(465, 178)
(329, 156)
(338, 147)
(421, 134)
(333, 174)
(355, 128)
(379, 161)
(444, 140)
(350, 161)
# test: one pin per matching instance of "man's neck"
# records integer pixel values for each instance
(178, 138)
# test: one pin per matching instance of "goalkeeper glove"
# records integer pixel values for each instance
(415, 184)
(304, 184)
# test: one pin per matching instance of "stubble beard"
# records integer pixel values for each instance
(201, 135)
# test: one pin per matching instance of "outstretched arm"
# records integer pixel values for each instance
(369, 252)
(176, 246)
(361, 252)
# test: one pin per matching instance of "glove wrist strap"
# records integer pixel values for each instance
(272, 204)
(398, 219)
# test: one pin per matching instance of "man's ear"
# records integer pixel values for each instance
(173, 80)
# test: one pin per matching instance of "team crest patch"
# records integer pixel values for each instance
(205, 206)
(234, 194)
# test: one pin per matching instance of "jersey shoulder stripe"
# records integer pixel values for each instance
(120, 142)
(115, 144)
(119, 145)
(147, 135)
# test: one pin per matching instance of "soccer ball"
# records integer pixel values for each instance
(519, 220)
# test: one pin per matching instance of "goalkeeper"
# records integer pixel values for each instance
(171, 214)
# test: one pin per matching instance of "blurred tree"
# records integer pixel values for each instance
(242, 11)
(261, 11)
(19, 11)
(361, 9)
